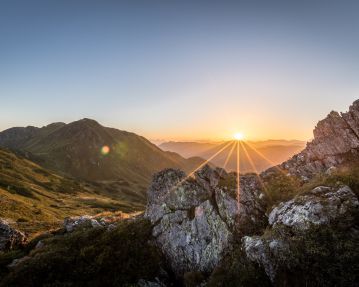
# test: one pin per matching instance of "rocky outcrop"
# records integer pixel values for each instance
(195, 218)
(10, 237)
(335, 137)
(321, 206)
(98, 221)
(72, 223)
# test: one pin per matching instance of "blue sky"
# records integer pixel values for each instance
(179, 69)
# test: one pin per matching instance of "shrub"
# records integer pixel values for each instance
(93, 257)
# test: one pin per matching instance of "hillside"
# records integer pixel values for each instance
(255, 156)
(74, 149)
(35, 198)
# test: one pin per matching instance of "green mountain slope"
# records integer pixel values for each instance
(75, 149)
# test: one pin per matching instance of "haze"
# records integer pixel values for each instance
(179, 70)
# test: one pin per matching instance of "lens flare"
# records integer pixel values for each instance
(105, 150)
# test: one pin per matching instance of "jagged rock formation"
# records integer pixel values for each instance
(10, 237)
(334, 138)
(194, 219)
(320, 206)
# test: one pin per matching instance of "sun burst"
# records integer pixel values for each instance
(238, 136)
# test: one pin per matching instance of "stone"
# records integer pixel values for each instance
(39, 245)
(265, 252)
(10, 237)
(16, 262)
(72, 223)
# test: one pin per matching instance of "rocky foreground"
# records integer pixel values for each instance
(296, 224)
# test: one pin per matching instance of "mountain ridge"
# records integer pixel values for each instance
(75, 149)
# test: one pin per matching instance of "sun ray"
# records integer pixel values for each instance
(228, 157)
(265, 158)
(202, 164)
(253, 166)
(238, 178)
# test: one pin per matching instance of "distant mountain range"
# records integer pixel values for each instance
(255, 156)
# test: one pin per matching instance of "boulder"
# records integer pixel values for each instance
(72, 223)
(266, 252)
(195, 219)
(319, 206)
(10, 237)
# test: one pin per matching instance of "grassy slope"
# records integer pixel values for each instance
(35, 198)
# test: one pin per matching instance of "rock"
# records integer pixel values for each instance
(10, 237)
(319, 206)
(39, 245)
(146, 283)
(331, 170)
(72, 223)
(265, 252)
(194, 219)
(334, 138)
(16, 262)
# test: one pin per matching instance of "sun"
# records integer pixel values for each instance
(238, 136)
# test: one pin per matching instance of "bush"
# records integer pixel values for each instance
(93, 257)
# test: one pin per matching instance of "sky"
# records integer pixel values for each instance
(179, 70)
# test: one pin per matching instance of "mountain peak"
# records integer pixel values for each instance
(87, 121)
